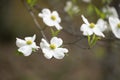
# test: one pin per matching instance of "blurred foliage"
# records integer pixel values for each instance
(31, 2)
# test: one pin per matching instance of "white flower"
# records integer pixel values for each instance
(51, 18)
(87, 1)
(53, 49)
(90, 28)
(71, 7)
(110, 11)
(115, 26)
(26, 46)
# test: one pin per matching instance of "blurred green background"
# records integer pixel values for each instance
(102, 62)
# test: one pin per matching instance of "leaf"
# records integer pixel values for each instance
(89, 40)
(90, 9)
(31, 2)
(100, 13)
(54, 33)
(92, 40)
(19, 53)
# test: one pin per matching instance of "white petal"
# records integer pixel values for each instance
(55, 13)
(117, 33)
(57, 41)
(44, 43)
(98, 32)
(46, 11)
(113, 24)
(34, 46)
(41, 15)
(102, 25)
(47, 53)
(86, 33)
(68, 6)
(58, 26)
(20, 42)
(48, 21)
(26, 50)
(86, 30)
(30, 38)
(85, 20)
(64, 50)
(87, 1)
(59, 53)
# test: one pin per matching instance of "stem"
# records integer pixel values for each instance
(34, 18)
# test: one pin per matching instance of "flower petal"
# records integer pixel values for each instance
(55, 13)
(102, 25)
(48, 21)
(98, 32)
(58, 26)
(44, 43)
(86, 30)
(113, 24)
(85, 20)
(57, 41)
(26, 50)
(30, 38)
(45, 12)
(20, 42)
(59, 53)
(34, 46)
(47, 53)
(117, 33)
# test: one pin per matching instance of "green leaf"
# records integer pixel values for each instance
(89, 40)
(100, 13)
(31, 2)
(19, 53)
(92, 40)
(90, 9)
(54, 33)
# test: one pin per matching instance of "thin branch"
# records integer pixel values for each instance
(34, 18)
(73, 42)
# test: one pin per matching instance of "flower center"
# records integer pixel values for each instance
(53, 17)
(29, 42)
(92, 25)
(52, 46)
(118, 25)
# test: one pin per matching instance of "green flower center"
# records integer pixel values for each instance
(118, 25)
(53, 17)
(52, 46)
(29, 42)
(92, 25)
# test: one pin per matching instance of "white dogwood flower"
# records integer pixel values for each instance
(70, 7)
(87, 1)
(91, 28)
(26, 46)
(115, 26)
(51, 18)
(53, 49)
(110, 11)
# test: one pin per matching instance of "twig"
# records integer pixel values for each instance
(34, 18)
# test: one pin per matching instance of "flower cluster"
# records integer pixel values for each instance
(54, 49)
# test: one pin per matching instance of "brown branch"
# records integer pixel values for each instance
(34, 18)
